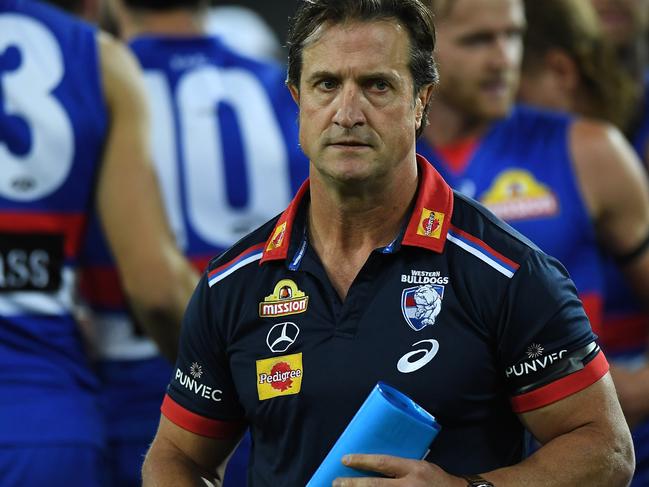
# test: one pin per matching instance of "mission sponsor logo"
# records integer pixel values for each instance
(278, 238)
(421, 305)
(538, 361)
(279, 376)
(517, 195)
(424, 277)
(286, 300)
(430, 223)
(191, 383)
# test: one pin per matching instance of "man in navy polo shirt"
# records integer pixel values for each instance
(379, 271)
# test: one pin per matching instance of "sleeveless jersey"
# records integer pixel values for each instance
(522, 171)
(626, 323)
(225, 146)
(53, 123)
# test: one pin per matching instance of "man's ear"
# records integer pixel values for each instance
(295, 93)
(421, 102)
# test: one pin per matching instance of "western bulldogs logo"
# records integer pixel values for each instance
(421, 305)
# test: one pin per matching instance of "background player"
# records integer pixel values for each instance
(73, 134)
(539, 171)
(224, 139)
(567, 66)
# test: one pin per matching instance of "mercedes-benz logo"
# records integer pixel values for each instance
(281, 336)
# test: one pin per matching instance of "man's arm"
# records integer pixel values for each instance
(585, 442)
(156, 278)
(615, 188)
(180, 458)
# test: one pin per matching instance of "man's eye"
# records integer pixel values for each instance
(327, 84)
(381, 85)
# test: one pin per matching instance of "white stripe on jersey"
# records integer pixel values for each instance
(24, 303)
(117, 340)
(236, 267)
(482, 256)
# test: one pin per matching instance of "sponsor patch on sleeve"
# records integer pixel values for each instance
(279, 376)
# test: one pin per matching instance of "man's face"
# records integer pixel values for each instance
(623, 21)
(358, 113)
(479, 50)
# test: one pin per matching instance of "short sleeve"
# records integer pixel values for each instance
(546, 348)
(201, 396)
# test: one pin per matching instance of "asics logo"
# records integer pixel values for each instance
(281, 336)
(421, 356)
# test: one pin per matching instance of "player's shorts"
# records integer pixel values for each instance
(71, 465)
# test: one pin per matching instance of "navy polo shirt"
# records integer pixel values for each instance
(460, 312)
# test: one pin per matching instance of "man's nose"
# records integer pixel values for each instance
(349, 109)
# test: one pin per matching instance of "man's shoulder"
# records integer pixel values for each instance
(247, 250)
(474, 225)
(526, 124)
(52, 16)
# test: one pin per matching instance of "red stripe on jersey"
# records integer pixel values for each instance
(70, 225)
(562, 388)
(101, 286)
(242, 256)
(486, 247)
(594, 308)
(212, 428)
(623, 333)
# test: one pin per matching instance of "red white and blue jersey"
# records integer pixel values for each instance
(522, 171)
(53, 124)
(625, 332)
(225, 146)
(460, 312)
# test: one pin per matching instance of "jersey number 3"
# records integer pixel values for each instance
(36, 135)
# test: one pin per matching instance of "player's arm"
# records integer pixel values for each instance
(585, 442)
(180, 458)
(616, 191)
(614, 185)
(157, 279)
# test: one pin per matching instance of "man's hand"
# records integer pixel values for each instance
(400, 471)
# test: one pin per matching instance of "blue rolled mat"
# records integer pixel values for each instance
(387, 423)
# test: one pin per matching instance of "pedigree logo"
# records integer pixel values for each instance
(430, 223)
(279, 376)
(286, 300)
(278, 238)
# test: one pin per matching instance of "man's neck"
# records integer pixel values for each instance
(447, 124)
(175, 23)
(346, 225)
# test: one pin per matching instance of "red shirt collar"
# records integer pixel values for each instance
(427, 227)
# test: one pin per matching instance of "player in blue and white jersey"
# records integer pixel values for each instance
(225, 146)
(73, 136)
